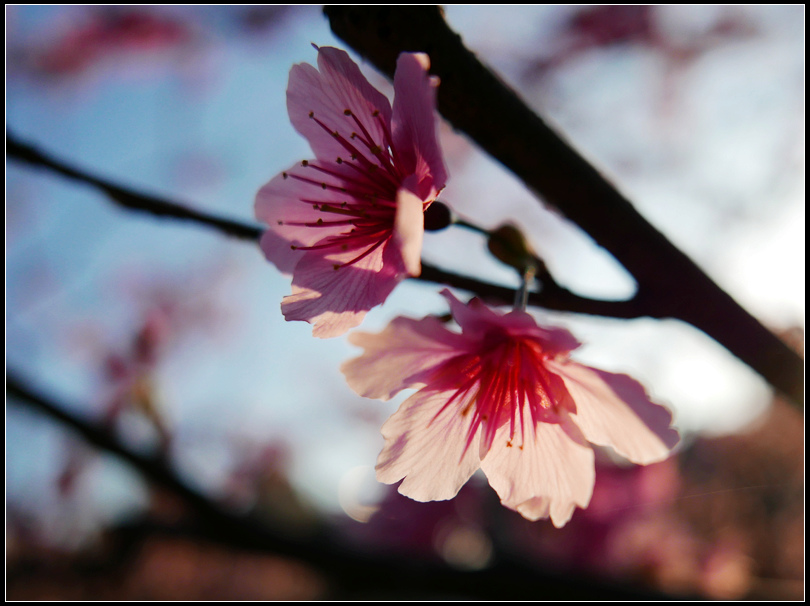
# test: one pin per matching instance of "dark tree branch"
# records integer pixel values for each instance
(552, 296)
(128, 198)
(351, 572)
(476, 102)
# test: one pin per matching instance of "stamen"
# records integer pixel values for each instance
(386, 163)
(319, 223)
(356, 155)
(343, 177)
(323, 185)
(366, 134)
(339, 239)
(389, 142)
(379, 215)
(385, 159)
(465, 387)
(371, 249)
(383, 215)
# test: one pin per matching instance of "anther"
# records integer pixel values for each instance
(304, 163)
(323, 185)
(311, 114)
(339, 161)
(293, 246)
(284, 175)
(319, 221)
(336, 267)
(347, 112)
(280, 222)
(375, 113)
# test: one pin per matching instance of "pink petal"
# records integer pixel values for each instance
(614, 410)
(474, 317)
(555, 340)
(414, 124)
(409, 229)
(327, 94)
(549, 476)
(400, 357)
(336, 300)
(428, 447)
(279, 204)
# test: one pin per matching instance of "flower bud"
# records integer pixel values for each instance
(438, 216)
(508, 244)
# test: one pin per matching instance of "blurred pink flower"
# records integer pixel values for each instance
(348, 225)
(502, 395)
(109, 32)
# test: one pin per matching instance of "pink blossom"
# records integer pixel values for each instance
(348, 225)
(504, 396)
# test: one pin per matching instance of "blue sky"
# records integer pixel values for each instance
(711, 149)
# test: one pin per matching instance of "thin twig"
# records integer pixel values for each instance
(552, 297)
(127, 197)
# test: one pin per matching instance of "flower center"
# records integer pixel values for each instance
(368, 177)
(504, 381)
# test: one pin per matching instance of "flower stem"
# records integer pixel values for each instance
(522, 293)
(471, 226)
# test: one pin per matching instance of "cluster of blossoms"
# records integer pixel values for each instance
(502, 394)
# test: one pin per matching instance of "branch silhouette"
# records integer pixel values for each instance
(670, 285)
(552, 296)
(787, 378)
(576, 188)
(349, 571)
(126, 197)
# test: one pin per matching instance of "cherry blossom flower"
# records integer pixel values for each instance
(504, 396)
(349, 224)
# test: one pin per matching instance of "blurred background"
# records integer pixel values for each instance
(171, 335)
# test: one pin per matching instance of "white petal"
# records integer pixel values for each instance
(428, 447)
(409, 229)
(336, 300)
(614, 410)
(549, 476)
(400, 357)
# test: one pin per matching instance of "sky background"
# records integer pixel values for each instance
(695, 113)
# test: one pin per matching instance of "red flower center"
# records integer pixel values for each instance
(504, 380)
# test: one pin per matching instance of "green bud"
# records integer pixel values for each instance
(508, 244)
